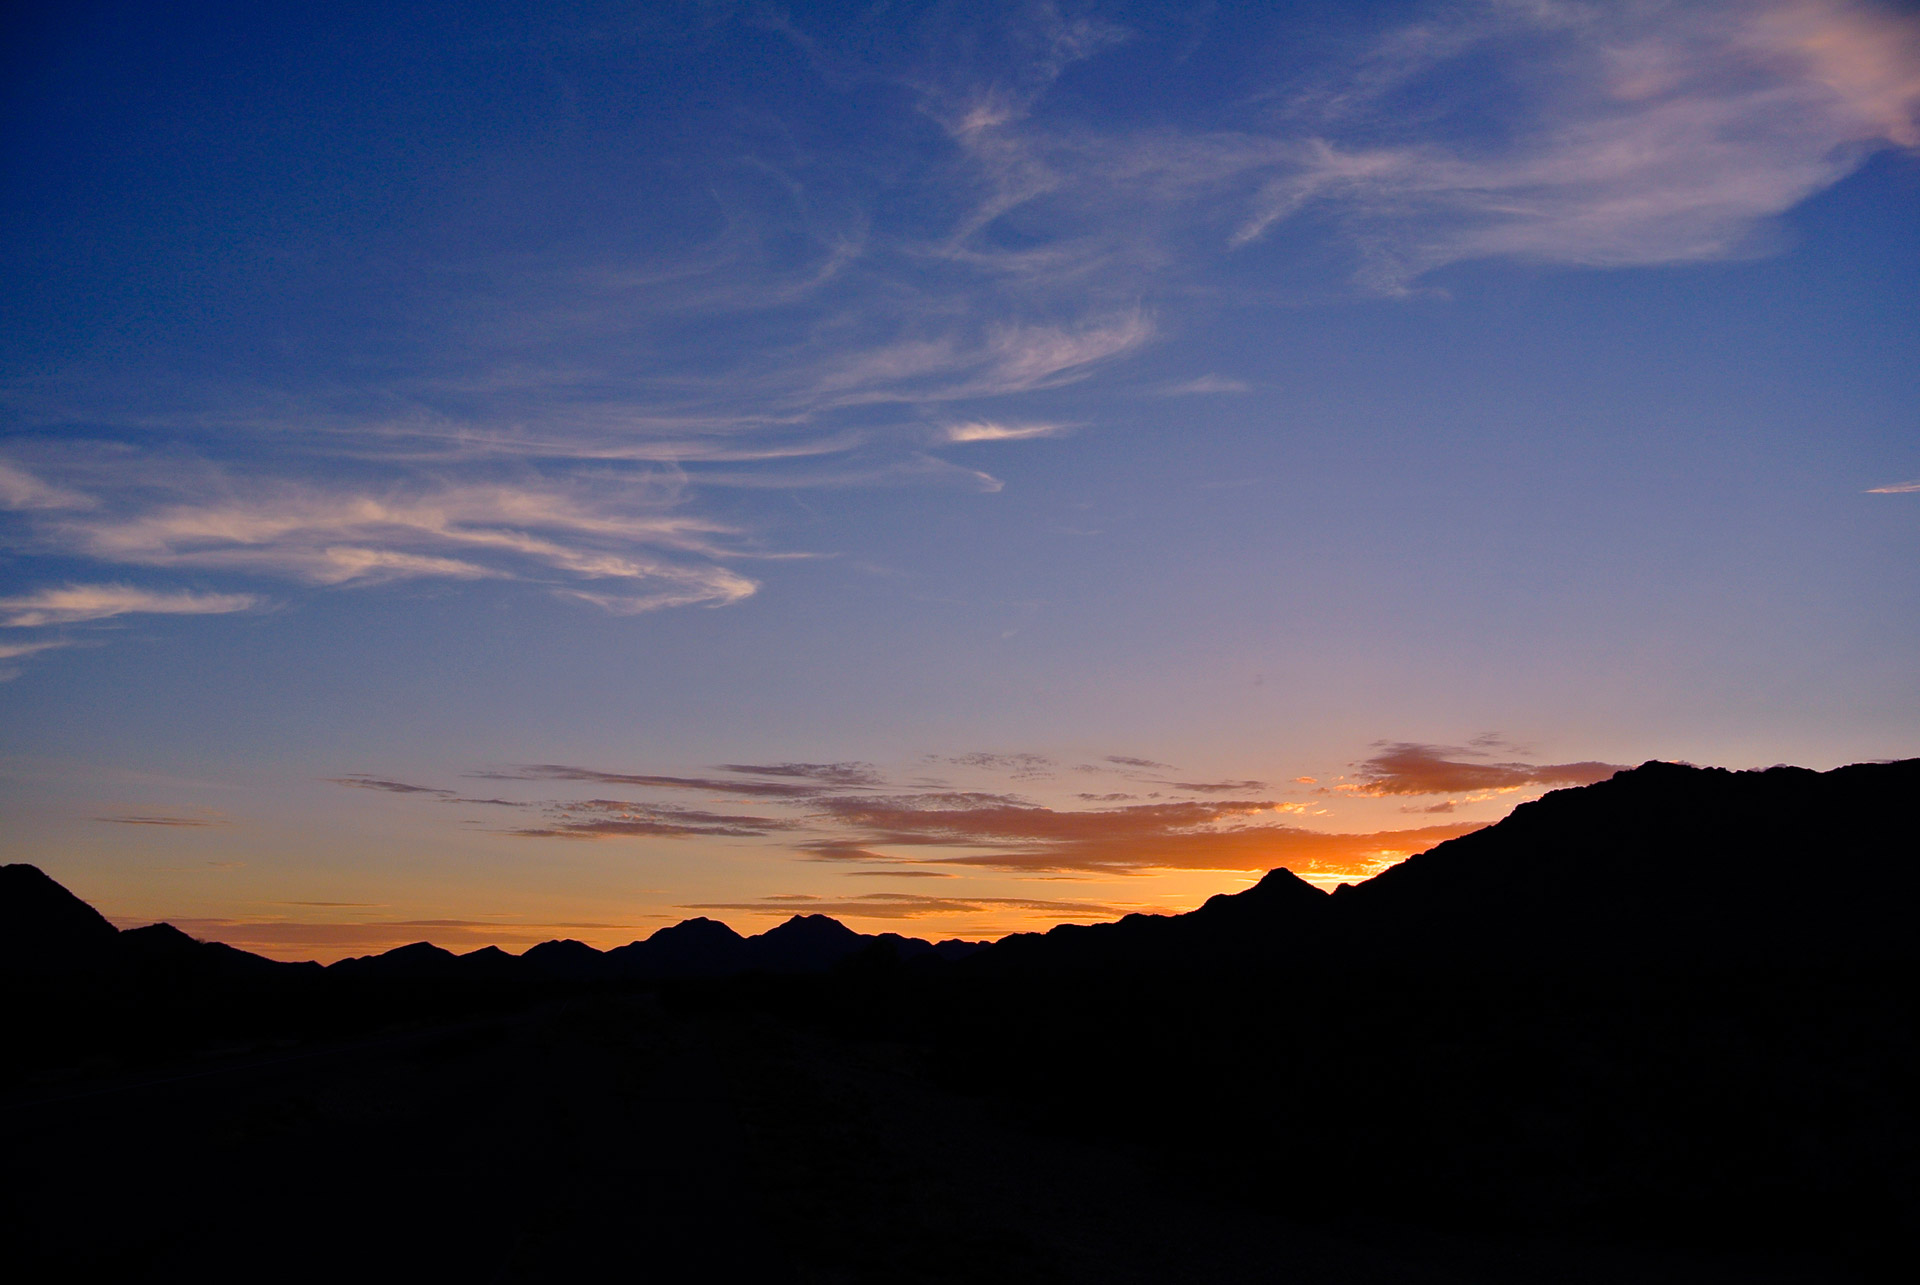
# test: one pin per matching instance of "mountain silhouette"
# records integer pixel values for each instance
(45, 928)
(1674, 1007)
(1665, 864)
(690, 949)
(699, 947)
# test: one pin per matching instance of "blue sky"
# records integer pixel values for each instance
(1089, 453)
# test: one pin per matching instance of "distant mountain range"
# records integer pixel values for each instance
(1662, 865)
(1678, 1005)
(47, 931)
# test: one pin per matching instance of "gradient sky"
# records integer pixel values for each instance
(493, 472)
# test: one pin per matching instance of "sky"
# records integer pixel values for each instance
(492, 472)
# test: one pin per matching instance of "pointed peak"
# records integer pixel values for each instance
(1281, 877)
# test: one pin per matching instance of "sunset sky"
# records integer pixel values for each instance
(486, 473)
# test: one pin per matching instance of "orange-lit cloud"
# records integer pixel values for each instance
(1409, 767)
(1317, 856)
(1897, 488)
(1188, 835)
(835, 814)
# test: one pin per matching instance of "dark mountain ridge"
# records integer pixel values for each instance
(1661, 866)
(1681, 1006)
(46, 931)
(1664, 864)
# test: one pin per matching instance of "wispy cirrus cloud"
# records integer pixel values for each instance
(1897, 488)
(13, 651)
(21, 491)
(983, 431)
(1204, 386)
(1628, 134)
(1589, 134)
(80, 604)
(337, 536)
(838, 315)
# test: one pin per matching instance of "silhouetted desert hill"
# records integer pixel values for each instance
(43, 926)
(1662, 865)
(699, 947)
(1668, 864)
(46, 931)
(163, 949)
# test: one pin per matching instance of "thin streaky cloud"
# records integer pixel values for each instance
(1203, 386)
(78, 604)
(21, 491)
(1020, 766)
(618, 818)
(331, 537)
(13, 651)
(164, 820)
(716, 785)
(360, 781)
(837, 774)
(985, 431)
(1898, 488)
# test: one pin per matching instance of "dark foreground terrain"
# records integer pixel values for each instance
(1658, 1029)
